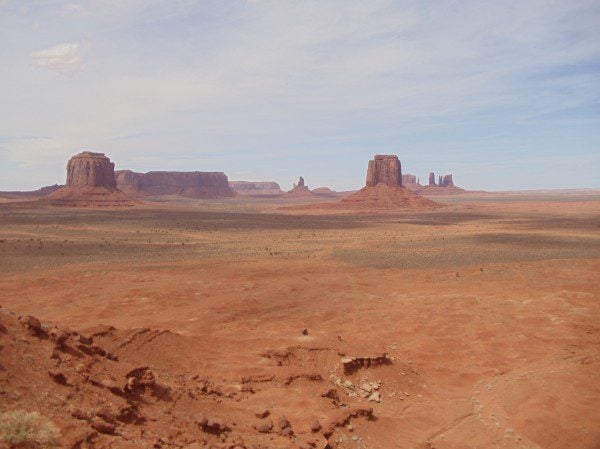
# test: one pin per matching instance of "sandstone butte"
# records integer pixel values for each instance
(187, 184)
(90, 183)
(384, 189)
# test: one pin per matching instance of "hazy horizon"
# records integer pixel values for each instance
(505, 96)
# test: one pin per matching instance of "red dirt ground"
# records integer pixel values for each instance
(488, 312)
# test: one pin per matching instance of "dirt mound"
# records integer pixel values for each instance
(384, 197)
(440, 190)
(90, 183)
(146, 388)
(89, 197)
(42, 191)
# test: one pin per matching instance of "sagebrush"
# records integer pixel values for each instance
(28, 430)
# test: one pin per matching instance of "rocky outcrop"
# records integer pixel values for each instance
(431, 179)
(300, 189)
(90, 183)
(445, 186)
(409, 179)
(188, 184)
(384, 169)
(90, 169)
(411, 182)
(255, 188)
(384, 189)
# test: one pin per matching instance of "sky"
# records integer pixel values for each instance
(503, 94)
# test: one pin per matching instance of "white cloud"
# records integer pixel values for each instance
(177, 80)
(62, 58)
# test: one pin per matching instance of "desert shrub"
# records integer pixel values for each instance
(19, 429)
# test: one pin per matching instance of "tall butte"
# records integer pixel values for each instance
(384, 190)
(90, 183)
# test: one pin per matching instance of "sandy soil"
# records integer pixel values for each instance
(488, 310)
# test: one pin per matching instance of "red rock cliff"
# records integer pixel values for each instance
(89, 169)
(190, 184)
(384, 169)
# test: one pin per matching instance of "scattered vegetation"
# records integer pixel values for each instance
(22, 430)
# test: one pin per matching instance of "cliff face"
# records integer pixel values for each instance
(188, 184)
(90, 169)
(384, 169)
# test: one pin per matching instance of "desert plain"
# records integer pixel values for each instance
(474, 325)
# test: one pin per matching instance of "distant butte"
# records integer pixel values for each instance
(260, 188)
(384, 189)
(445, 186)
(90, 183)
(300, 190)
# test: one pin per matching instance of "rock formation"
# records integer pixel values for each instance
(411, 182)
(89, 169)
(431, 179)
(300, 189)
(384, 169)
(188, 184)
(256, 188)
(90, 182)
(384, 189)
(445, 186)
(409, 179)
(447, 180)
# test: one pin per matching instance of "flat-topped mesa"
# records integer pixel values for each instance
(189, 184)
(88, 169)
(384, 169)
(256, 188)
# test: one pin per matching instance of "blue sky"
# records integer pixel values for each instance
(504, 94)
